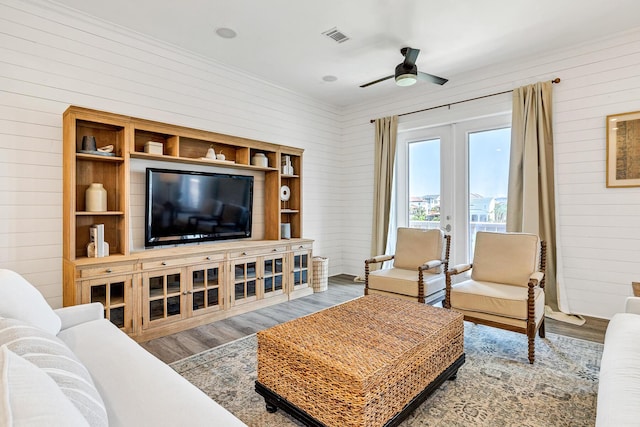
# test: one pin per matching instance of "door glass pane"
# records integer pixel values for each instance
(212, 297)
(268, 267)
(198, 300)
(212, 276)
(116, 316)
(99, 294)
(156, 286)
(278, 265)
(488, 181)
(156, 309)
(268, 284)
(239, 291)
(198, 279)
(251, 288)
(117, 293)
(173, 305)
(424, 184)
(173, 283)
(278, 283)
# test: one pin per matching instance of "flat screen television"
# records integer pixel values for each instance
(185, 206)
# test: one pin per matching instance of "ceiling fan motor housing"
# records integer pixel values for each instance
(406, 76)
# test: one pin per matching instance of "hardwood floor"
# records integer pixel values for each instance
(341, 288)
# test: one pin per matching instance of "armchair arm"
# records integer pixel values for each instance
(632, 305)
(379, 258)
(536, 278)
(430, 264)
(77, 314)
(460, 268)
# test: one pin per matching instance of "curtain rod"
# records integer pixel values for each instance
(556, 80)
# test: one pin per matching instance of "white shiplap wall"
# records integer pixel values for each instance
(599, 227)
(52, 57)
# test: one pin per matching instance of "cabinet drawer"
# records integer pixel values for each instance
(302, 247)
(101, 271)
(173, 262)
(257, 252)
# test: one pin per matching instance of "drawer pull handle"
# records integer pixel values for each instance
(244, 253)
(275, 250)
(164, 262)
(108, 270)
(208, 258)
(301, 247)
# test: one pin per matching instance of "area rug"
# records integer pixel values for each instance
(495, 387)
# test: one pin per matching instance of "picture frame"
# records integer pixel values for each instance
(623, 150)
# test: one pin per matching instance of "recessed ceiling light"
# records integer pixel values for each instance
(329, 78)
(226, 33)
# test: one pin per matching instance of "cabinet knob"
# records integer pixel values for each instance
(208, 258)
(244, 253)
(301, 247)
(184, 293)
(164, 263)
(275, 250)
(189, 292)
(108, 270)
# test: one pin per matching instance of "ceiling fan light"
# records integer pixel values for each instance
(407, 79)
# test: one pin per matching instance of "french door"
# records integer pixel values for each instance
(454, 177)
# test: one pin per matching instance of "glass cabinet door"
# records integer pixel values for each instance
(114, 294)
(300, 272)
(206, 289)
(244, 281)
(162, 297)
(273, 276)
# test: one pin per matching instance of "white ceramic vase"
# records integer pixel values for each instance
(95, 198)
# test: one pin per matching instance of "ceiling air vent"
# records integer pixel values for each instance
(336, 35)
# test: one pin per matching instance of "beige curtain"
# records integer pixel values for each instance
(385, 154)
(531, 200)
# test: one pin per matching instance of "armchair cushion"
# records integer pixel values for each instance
(508, 258)
(416, 246)
(405, 282)
(496, 299)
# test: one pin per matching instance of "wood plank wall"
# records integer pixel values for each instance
(599, 227)
(53, 57)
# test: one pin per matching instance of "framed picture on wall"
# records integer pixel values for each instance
(623, 150)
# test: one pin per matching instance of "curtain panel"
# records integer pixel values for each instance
(384, 161)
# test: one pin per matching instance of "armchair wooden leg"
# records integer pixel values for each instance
(532, 339)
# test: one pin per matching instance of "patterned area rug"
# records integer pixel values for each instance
(495, 387)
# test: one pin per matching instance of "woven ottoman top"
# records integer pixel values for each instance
(363, 335)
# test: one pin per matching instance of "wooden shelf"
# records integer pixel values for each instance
(289, 211)
(99, 158)
(107, 213)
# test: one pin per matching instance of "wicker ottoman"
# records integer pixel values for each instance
(367, 362)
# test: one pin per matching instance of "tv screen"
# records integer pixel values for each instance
(184, 206)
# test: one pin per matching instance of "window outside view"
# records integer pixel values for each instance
(488, 182)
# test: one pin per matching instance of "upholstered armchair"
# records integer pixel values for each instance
(421, 257)
(506, 287)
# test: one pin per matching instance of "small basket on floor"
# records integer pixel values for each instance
(320, 274)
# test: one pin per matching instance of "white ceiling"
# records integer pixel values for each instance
(280, 41)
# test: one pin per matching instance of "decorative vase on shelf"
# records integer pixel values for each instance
(95, 198)
(287, 167)
(259, 159)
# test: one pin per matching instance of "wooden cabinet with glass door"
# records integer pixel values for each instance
(272, 276)
(244, 281)
(114, 293)
(301, 268)
(163, 293)
(206, 289)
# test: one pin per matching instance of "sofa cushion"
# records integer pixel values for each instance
(139, 389)
(497, 299)
(28, 396)
(505, 257)
(415, 246)
(20, 300)
(53, 357)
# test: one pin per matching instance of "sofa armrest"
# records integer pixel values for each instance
(536, 277)
(632, 305)
(77, 314)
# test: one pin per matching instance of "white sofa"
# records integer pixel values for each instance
(136, 388)
(619, 384)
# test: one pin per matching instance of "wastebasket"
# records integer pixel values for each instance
(320, 275)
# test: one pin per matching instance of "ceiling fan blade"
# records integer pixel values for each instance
(431, 78)
(377, 81)
(410, 56)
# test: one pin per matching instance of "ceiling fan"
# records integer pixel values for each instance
(407, 73)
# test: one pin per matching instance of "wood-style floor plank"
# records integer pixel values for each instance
(341, 289)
